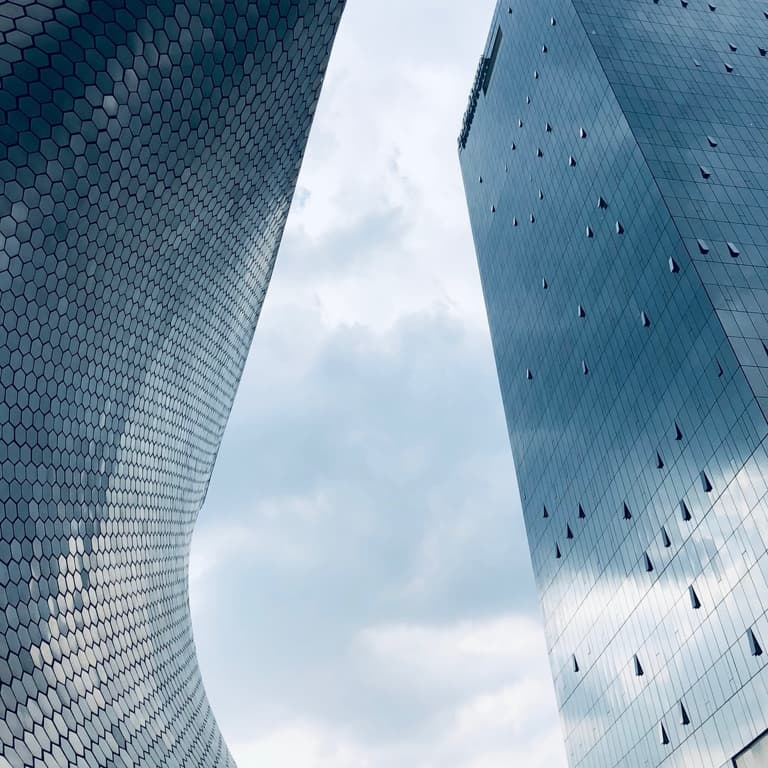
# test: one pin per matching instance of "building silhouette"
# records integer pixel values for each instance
(148, 156)
(615, 160)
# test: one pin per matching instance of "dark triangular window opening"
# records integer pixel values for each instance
(665, 538)
(582, 513)
(719, 369)
(558, 553)
(684, 719)
(638, 667)
(663, 737)
(678, 432)
(659, 461)
(705, 484)
(695, 602)
(575, 663)
(546, 511)
(627, 513)
(754, 645)
(568, 532)
(648, 563)
(685, 513)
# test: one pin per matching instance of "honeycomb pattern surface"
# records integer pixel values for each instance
(613, 169)
(148, 156)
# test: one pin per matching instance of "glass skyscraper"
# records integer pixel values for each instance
(148, 156)
(615, 160)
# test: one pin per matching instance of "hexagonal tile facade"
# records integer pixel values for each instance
(148, 156)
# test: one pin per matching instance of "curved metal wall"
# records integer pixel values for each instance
(148, 155)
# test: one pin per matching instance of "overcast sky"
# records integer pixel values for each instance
(360, 582)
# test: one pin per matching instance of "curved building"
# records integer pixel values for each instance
(615, 159)
(148, 156)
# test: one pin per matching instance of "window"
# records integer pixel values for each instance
(755, 755)
(492, 60)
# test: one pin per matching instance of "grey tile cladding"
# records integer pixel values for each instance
(615, 160)
(148, 156)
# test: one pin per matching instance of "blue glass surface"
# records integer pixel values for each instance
(614, 158)
(148, 156)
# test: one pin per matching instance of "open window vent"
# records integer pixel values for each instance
(665, 538)
(627, 513)
(582, 513)
(695, 602)
(678, 432)
(647, 562)
(685, 513)
(663, 736)
(754, 646)
(659, 461)
(684, 718)
(637, 666)
(705, 484)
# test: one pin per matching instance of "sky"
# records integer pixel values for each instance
(360, 583)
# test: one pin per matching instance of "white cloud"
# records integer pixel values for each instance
(494, 722)
(464, 655)
(299, 745)
(359, 578)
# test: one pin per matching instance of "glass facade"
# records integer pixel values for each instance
(615, 159)
(148, 156)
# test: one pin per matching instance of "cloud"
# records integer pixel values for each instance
(491, 720)
(361, 588)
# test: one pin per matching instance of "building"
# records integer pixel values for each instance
(615, 159)
(148, 158)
